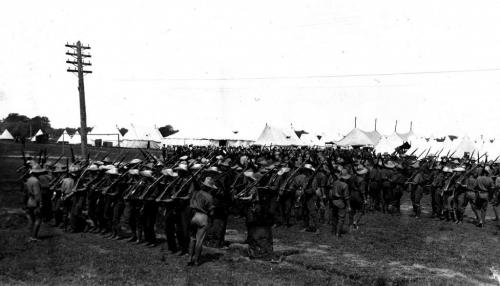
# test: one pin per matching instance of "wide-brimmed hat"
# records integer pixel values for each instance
(107, 160)
(113, 171)
(183, 158)
(250, 174)
(447, 169)
(361, 170)
(93, 168)
(226, 163)
(219, 157)
(390, 165)
(106, 167)
(73, 168)
(344, 174)
(415, 165)
(309, 167)
(133, 172)
(182, 167)
(135, 161)
(212, 169)
(59, 169)
(149, 165)
(459, 169)
(283, 170)
(237, 167)
(37, 169)
(196, 166)
(169, 172)
(146, 173)
(209, 182)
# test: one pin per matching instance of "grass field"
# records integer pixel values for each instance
(386, 250)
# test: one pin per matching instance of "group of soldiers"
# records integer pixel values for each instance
(190, 192)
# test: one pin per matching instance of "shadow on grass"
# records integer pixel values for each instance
(209, 257)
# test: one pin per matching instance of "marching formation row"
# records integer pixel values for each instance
(190, 192)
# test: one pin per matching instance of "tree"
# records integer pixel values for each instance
(123, 131)
(167, 130)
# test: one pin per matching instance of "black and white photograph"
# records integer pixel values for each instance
(278, 142)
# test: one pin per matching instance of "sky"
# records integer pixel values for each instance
(241, 64)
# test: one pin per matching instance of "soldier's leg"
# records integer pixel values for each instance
(200, 237)
(313, 214)
(342, 212)
(170, 230)
(459, 204)
(334, 217)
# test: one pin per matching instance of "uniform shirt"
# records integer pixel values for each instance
(298, 183)
(339, 190)
(67, 185)
(471, 183)
(375, 175)
(45, 180)
(418, 179)
(34, 191)
(202, 201)
(438, 180)
(484, 183)
(358, 184)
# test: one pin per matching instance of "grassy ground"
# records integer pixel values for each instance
(387, 250)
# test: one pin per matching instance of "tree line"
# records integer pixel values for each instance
(22, 126)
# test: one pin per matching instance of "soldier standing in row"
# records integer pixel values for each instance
(340, 199)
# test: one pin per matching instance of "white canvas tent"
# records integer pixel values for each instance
(38, 133)
(384, 145)
(466, 145)
(356, 137)
(6, 135)
(275, 136)
(311, 140)
(374, 136)
(76, 138)
(109, 134)
(142, 137)
(210, 136)
(64, 138)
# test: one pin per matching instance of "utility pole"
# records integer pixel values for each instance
(77, 54)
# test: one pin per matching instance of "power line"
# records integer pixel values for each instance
(320, 76)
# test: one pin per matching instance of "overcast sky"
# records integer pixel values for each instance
(240, 64)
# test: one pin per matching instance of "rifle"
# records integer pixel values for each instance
(308, 185)
(72, 155)
(160, 197)
(289, 180)
(253, 184)
(191, 177)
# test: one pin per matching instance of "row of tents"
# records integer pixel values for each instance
(143, 137)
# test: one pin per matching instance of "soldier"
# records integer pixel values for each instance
(340, 199)
(67, 185)
(358, 196)
(416, 189)
(374, 186)
(166, 202)
(465, 193)
(386, 185)
(297, 187)
(34, 203)
(184, 187)
(285, 196)
(201, 203)
(45, 179)
(484, 186)
(221, 201)
(436, 187)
